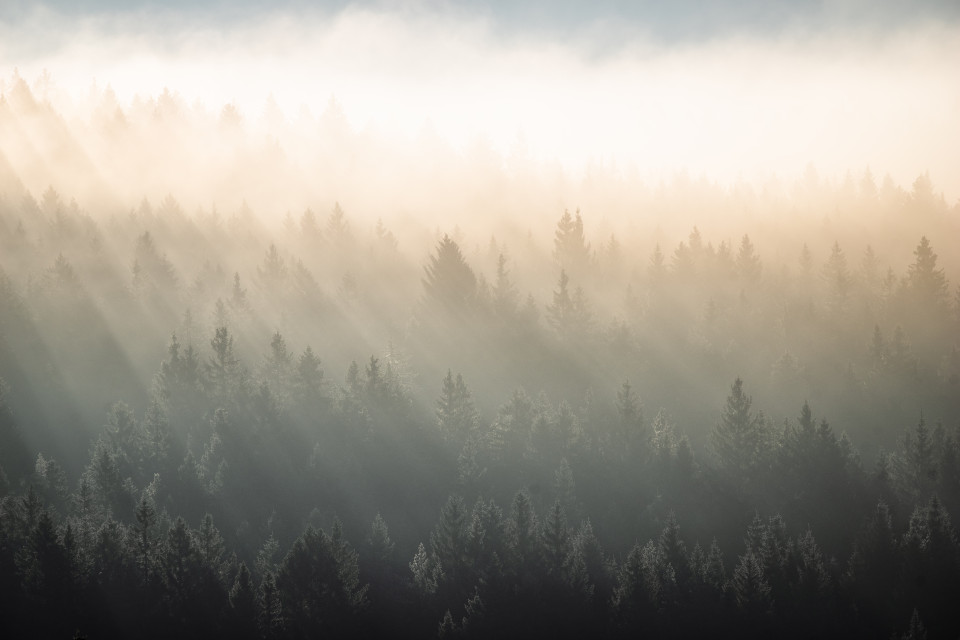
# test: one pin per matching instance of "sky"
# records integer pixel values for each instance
(729, 90)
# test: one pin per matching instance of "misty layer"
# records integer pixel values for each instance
(612, 96)
(256, 386)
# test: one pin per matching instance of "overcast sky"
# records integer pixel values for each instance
(675, 19)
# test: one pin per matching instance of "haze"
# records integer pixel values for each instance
(424, 319)
(731, 107)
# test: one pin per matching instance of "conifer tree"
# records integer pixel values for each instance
(449, 540)
(837, 279)
(379, 542)
(427, 571)
(560, 312)
(456, 415)
(449, 282)
(506, 299)
(741, 439)
(570, 247)
(748, 262)
(270, 609)
(555, 541)
(242, 616)
(750, 586)
(486, 541)
(632, 436)
(632, 601)
(319, 585)
(146, 520)
(926, 281)
(522, 533)
(674, 550)
(222, 368)
(656, 271)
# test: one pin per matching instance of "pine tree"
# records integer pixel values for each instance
(223, 368)
(656, 270)
(750, 587)
(447, 627)
(878, 350)
(588, 551)
(926, 281)
(308, 378)
(837, 278)
(713, 572)
(146, 520)
(270, 609)
(209, 543)
(522, 533)
(870, 270)
(486, 541)
(506, 299)
(180, 381)
(379, 542)
(634, 597)
(158, 440)
(632, 434)
(560, 312)
(916, 466)
(449, 540)
(449, 282)
(338, 228)
(555, 541)
(180, 571)
(674, 549)
(319, 585)
(125, 437)
(457, 416)
(242, 616)
(267, 556)
(48, 576)
(570, 247)
(806, 260)
(238, 296)
(748, 262)
(277, 366)
(427, 571)
(566, 488)
(740, 439)
(474, 618)
(814, 580)
(274, 270)
(916, 630)
(109, 487)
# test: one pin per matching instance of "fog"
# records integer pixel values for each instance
(737, 107)
(608, 327)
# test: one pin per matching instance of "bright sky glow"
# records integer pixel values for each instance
(730, 107)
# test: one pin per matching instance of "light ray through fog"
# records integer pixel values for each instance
(729, 108)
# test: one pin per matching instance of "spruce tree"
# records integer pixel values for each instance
(449, 282)
(741, 439)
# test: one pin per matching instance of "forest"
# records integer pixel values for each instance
(728, 411)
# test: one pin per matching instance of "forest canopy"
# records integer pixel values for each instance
(536, 406)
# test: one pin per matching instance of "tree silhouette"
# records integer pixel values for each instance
(741, 439)
(449, 282)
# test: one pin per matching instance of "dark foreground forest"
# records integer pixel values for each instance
(251, 426)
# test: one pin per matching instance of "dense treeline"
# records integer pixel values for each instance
(828, 547)
(501, 464)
